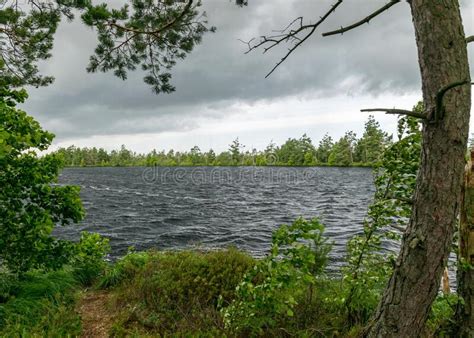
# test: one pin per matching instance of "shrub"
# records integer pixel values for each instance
(30, 205)
(269, 293)
(125, 268)
(368, 264)
(441, 321)
(8, 286)
(179, 291)
(89, 257)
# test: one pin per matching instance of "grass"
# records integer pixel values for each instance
(40, 304)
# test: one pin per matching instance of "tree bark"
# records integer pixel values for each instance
(465, 273)
(414, 284)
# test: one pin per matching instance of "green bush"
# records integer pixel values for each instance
(271, 291)
(179, 291)
(8, 286)
(369, 265)
(125, 268)
(30, 205)
(89, 257)
(441, 321)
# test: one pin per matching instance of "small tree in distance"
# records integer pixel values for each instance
(370, 147)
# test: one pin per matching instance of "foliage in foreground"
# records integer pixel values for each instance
(40, 304)
(89, 257)
(30, 204)
(278, 283)
(369, 264)
(149, 35)
(227, 293)
(193, 293)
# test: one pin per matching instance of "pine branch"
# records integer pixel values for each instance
(367, 19)
(396, 112)
(159, 30)
(470, 39)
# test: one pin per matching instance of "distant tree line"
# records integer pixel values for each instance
(347, 151)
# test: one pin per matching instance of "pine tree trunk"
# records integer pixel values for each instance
(415, 282)
(465, 312)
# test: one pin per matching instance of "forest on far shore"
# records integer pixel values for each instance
(347, 151)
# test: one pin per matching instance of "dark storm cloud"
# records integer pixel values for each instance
(377, 58)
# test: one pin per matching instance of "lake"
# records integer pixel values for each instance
(181, 207)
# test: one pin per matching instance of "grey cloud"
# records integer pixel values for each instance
(377, 58)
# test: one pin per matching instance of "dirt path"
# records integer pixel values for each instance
(96, 318)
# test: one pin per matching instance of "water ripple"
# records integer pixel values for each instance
(223, 207)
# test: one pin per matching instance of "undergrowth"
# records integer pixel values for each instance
(39, 305)
(174, 292)
(188, 293)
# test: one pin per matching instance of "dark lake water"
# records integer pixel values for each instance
(168, 208)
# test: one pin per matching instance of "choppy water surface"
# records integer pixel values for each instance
(168, 208)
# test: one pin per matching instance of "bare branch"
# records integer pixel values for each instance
(290, 35)
(445, 89)
(396, 112)
(300, 19)
(470, 39)
(313, 28)
(363, 21)
(439, 110)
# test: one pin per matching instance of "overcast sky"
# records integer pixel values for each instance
(222, 94)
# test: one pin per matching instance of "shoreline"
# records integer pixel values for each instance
(224, 166)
